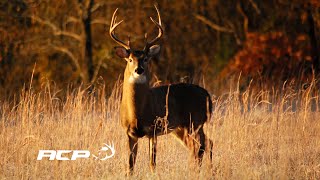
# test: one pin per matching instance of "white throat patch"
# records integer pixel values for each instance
(137, 79)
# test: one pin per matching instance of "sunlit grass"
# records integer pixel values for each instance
(256, 135)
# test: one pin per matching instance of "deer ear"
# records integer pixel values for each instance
(122, 52)
(154, 50)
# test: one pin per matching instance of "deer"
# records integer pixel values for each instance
(179, 109)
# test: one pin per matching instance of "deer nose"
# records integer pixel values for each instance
(139, 70)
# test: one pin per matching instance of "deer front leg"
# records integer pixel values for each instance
(152, 152)
(133, 145)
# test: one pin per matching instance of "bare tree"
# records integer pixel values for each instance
(71, 35)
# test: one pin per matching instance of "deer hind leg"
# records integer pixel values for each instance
(133, 147)
(186, 139)
(189, 140)
(210, 142)
(202, 147)
(152, 152)
(181, 134)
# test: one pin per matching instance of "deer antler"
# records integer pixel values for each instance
(113, 26)
(159, 25)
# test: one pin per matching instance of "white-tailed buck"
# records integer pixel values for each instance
(181, 109)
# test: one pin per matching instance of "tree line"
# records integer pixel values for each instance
(66, 42)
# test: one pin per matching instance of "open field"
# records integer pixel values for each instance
(264, 135)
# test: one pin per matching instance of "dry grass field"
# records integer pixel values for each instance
(256, 135)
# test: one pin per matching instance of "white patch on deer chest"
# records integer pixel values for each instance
(137, 79)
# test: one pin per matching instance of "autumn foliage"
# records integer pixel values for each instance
(66, 42)
(271, 55)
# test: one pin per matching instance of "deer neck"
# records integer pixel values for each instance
(135, 94)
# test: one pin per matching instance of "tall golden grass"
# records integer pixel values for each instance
(257, 134)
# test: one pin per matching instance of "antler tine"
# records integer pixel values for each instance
(159, 25)
(113, 26)
(159, 18)
(146, 37)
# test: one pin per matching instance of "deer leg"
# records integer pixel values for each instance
(190, 142)
(181, 135)
(210, 148)
(152, 152)
(202, 145)
(133, 145)
(185, 139)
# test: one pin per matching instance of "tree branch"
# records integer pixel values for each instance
(69, 34)
(213, 25)
(56, 30)
(96, 6)
(255, 6)
(43, 22)
(245, 17)
(72, 57)
(96, 71)
(68, 53)
(72, 19)
(100, 21)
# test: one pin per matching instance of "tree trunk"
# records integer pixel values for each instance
(313, 40)
(88, 46)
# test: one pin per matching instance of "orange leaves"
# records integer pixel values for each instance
(301, 37)
(274, 51)
(304, 17)
(315, 3)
